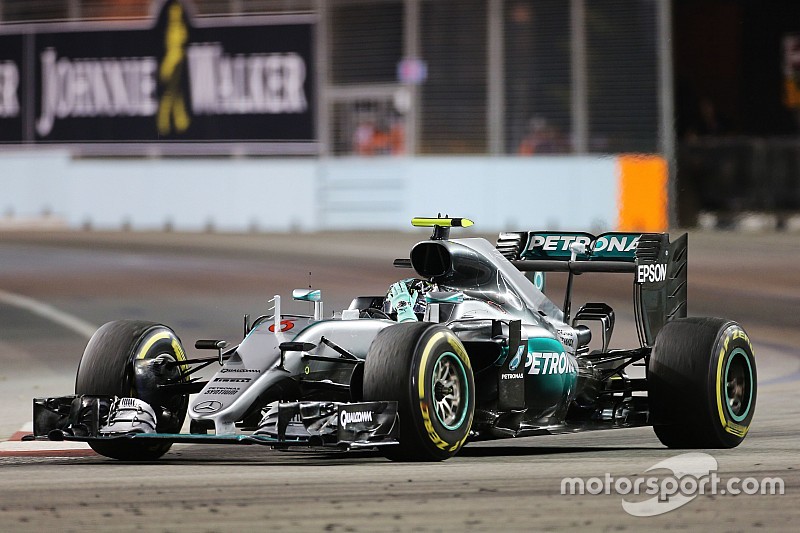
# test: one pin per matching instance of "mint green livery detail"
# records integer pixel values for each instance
(307, 295)
(738, 352)
(444, 297)
(607, 246)
(550, 366)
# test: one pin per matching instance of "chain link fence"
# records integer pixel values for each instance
(730, 176)
(525, 77)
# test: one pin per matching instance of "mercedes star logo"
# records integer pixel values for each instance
(207, 407)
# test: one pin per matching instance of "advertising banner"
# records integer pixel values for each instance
(172, 81)
(10, 88)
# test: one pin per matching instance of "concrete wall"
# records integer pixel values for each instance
(310, 194)
(498, 193)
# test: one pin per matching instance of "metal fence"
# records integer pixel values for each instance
(500, 77)
(520, 77)
(728, 176)
(523, 77)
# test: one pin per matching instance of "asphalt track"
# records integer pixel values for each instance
(55, 287)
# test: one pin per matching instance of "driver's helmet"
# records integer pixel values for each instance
(417, 288)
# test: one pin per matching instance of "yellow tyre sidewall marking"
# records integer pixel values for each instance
(423, 406)
(150, 342)
(180, 355)
(729, 426)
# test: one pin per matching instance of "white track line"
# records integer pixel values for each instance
(81, 327)
(71, 322)
(15, 448)
(26, 429)
(44, 449)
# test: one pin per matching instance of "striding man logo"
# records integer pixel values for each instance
(172, 115)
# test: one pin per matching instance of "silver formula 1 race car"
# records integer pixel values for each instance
(471, 349)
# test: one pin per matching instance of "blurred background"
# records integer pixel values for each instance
(285, 115)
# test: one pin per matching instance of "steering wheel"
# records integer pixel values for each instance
(373, 312)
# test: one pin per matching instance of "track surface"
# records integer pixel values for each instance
(202, 284)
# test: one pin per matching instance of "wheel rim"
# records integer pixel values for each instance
(154, 365)
(738, 385)
(450, 390)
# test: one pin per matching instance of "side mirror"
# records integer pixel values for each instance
(307, 295)
(448, 297)
(435, 298)
(310, 295)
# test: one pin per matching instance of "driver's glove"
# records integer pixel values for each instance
(402, 302)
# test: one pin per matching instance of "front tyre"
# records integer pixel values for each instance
(425, 368)
(126, 358)
(702, 383)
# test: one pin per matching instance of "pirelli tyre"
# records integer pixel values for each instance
(425, 368)
(125, 358)
(702, 383)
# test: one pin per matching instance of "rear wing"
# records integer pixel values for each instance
(659, 267)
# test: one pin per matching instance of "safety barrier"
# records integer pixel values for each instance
(311, 194)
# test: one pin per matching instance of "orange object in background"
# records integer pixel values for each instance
(643, 202)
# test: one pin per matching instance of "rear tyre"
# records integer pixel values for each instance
(425, 368)
(702, 383)
(118, 361)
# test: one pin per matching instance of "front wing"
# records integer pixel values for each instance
(339, 425)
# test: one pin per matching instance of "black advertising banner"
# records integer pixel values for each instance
(11, 88)
(178, 80)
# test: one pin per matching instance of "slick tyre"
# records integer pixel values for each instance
(702, 383)
(118, 361)
(425, 368)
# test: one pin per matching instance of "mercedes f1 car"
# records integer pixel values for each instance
(470, 349)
